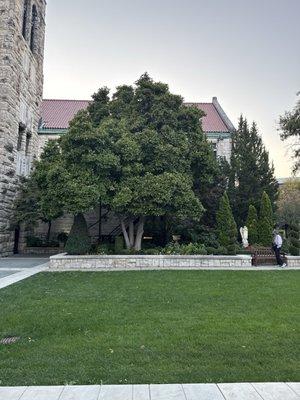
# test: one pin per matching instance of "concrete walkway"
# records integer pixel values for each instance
(222, 391)
(15, 269)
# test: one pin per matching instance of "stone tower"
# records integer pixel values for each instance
(22, 32)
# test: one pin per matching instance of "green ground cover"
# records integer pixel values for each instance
(151, 327)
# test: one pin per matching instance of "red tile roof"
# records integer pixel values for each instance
(212, 121)
(56, 114)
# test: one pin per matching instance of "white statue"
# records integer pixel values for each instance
(244, 235)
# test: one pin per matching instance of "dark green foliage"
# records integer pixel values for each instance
(78, 241)
(290, 126)
(119, 244)
(294, 240)
(252, 225)
(266, 221)
(151, 326)
(251, 173)
(226, 226)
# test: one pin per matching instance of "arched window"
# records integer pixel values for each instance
(25, 18)
(34, 21)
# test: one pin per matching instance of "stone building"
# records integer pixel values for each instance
(22, 31)
(27, 122)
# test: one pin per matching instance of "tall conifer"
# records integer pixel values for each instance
(226, 226)
(251, 173)
(252, 225)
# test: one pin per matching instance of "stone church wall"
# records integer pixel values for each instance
(21, 89)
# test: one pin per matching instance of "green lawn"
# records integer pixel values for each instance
(152, 326)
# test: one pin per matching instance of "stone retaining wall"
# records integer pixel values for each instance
(66, 262)
(293, 261)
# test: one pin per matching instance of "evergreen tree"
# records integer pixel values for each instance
(226, 226)
(251, 173)
(252, 225)
(266, 221)
(294, 239)
(78, 241)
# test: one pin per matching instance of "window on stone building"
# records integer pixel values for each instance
(20, 137)
(215, 149)
(27, 145)
(34, 20)
(25, 18)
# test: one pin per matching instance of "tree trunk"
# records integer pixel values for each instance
(131, 233)
(125, 234)
(48, 232)
(100, 224)
(139, 234)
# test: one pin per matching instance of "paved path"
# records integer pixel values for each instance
(222, 391)
(15, 269)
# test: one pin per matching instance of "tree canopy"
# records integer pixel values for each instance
(142, 153)
(290, 127)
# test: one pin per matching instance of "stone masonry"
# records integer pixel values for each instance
(22, 31)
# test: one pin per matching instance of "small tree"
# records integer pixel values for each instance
(294, 239)
(226, 225)
(266, 221)
(252, 224)
(78, 241)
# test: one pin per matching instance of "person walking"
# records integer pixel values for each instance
(277, 244)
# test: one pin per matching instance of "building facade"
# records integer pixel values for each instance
(57, 114)
(22, 32)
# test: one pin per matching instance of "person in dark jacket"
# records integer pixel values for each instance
(277, 244)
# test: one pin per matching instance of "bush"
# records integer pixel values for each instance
(119, 244)
(33, 241)
(78, 241)
(185, 249)
(219, 251)
(152, 252)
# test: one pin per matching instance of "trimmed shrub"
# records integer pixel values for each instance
(226, 226)
(219, 251)
(78, 241)
(252, 225)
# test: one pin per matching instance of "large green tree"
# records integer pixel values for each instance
(251, 172)
(290, 127)
(143, 150)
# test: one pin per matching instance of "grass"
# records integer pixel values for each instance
(151, 327)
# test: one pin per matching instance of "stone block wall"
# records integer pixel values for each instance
(107, 263)
(21, 89)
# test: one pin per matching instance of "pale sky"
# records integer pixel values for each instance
(246, 53)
